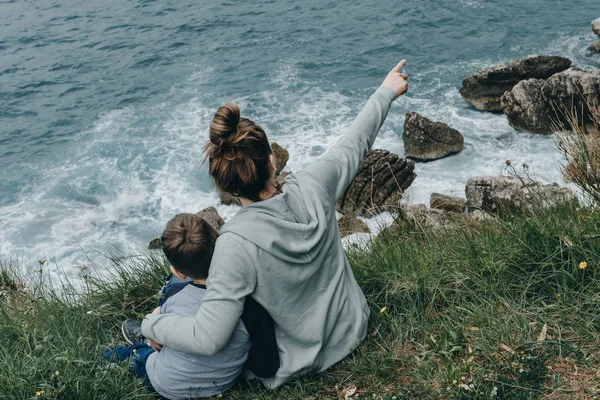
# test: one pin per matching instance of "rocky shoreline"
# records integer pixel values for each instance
(539, 94)
(383, 177)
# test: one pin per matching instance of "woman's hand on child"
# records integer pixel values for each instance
(397, 80)
(152, 343)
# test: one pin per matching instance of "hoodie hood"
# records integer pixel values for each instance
(285, 226)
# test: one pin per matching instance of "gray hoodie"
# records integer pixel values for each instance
(286, 253)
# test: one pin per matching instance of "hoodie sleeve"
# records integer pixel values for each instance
(336, 169)
(232, 277)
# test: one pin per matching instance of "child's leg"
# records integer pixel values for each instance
(137, 354)
(138, 359)
(125, 352)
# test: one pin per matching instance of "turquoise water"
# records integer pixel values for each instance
(104, 106)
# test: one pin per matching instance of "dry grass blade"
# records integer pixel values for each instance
(581, 148)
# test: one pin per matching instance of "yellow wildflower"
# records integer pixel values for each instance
(39, 394)
(557, 294)
(383, 309)
(583, 265)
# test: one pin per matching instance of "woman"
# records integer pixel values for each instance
(283, 247)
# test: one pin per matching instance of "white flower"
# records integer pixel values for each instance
(494, 392)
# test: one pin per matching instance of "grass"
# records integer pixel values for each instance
(478, 311)
(581, 149)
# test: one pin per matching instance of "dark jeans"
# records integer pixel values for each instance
(137, 354)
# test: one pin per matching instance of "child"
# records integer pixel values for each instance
(188, 243)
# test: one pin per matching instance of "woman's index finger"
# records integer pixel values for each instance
(399, 66)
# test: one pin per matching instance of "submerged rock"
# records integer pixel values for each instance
(425, 140)
(282, 156)
(594, 48)
(543, 106)
(349, 224)
(379, 184)
(498, 194)
(447, 203)
(483, 89)
(155, 244)
(211, 215)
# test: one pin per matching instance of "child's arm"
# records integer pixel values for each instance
(263, 359)
(231, 278)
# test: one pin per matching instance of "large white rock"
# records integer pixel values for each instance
(504, 193)
(426, 140)
(596, 26)
(542, 106)
(483, 89)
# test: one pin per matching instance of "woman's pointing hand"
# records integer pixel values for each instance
(396, 79)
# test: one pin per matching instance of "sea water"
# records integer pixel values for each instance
(105, 105)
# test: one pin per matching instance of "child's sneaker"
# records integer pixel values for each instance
(107, 352)
(132, 332)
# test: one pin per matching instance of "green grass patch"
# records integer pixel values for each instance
(500, 310)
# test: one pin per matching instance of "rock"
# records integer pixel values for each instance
(594, 48)
(481, 216)
(447, 203)
(497, 194)
(155, 244)
(542, 106)
(483, 89)
(282, 156)
(425, 140)
(279, 179)
(379, 184)
(420, 217)
(228, 199)
(211, 215)
(349, 224)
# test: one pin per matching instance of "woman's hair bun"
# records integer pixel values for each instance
(223, 126)
(239, 153)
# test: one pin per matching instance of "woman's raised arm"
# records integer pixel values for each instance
(231, 278)
(336, 169)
